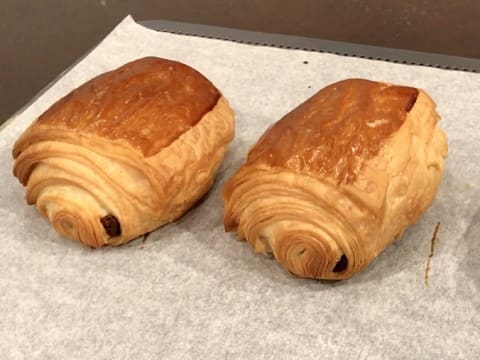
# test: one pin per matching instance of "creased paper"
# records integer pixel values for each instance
(192, 291)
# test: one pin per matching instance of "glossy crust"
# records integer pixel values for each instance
(105, 173)
(148, 103)
(339, 178)
(335, 132)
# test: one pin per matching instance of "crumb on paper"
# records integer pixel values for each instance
(145, 237)
(432, 250)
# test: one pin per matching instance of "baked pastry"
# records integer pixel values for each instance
(125, 153)
(339, 178)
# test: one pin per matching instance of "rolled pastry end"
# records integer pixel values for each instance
(279, 217)
(82, 194)
(310, 256)
(71, 211)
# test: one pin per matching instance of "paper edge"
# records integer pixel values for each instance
(128, 20)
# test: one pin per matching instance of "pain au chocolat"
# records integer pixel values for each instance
(125, 153)
(328, 187)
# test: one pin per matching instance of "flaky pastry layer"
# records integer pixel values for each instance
(104, 192)
(320, 225)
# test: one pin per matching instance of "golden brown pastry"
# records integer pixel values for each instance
(126, 152)
(339, 178)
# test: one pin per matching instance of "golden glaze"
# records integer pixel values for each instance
(148, 102)
(316, 224)
(103, 192)
(337, 130)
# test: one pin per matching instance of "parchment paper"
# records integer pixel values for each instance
(192, 291)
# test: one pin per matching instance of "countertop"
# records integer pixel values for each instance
(41, 39)
(191, 291)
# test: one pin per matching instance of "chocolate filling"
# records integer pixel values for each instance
(411, 102)
(341, 265)
(111, 225)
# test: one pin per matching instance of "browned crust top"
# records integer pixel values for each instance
(337, 130)
(148, 102)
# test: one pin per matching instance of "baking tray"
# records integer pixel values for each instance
(293, 42)
(191, 291)
(313, 44)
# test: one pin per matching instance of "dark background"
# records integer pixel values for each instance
(42, 38)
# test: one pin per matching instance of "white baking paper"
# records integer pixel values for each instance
(192, 291)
